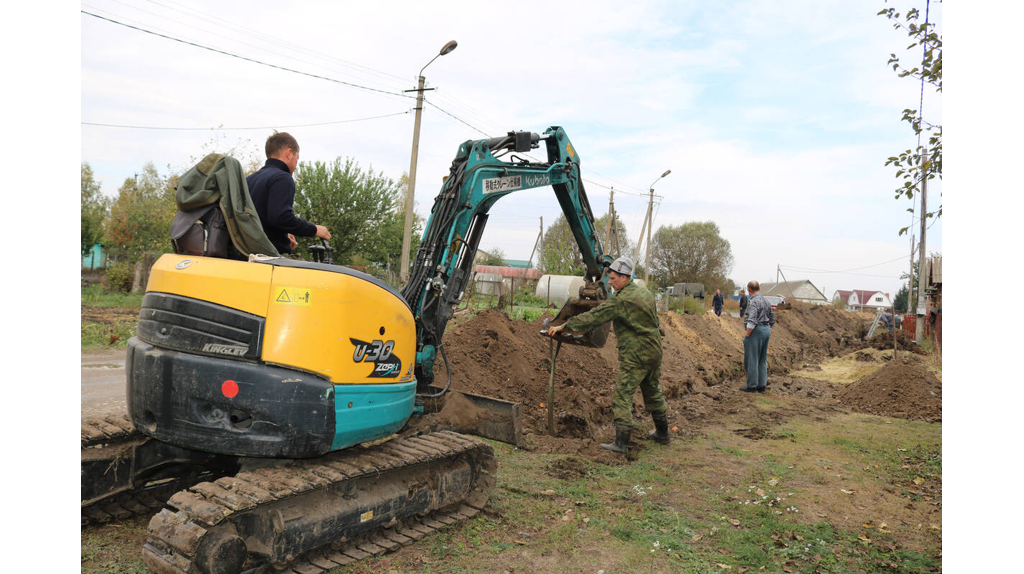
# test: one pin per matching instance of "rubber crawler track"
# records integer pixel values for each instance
(107, 434)
(176, 533)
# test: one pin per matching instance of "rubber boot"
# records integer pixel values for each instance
(660, 432)
(621, 444)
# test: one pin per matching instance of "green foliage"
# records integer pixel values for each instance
(693, 306)
(911, 166)
(98, 296)
(95, 207)
(693, 252)
(363, 210)
(120, 276)
(496, 257)
(900, 301)
(561, 255)
(105, 335)
(141, 214)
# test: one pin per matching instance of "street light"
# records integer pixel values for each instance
(411, 190)
(650, 224)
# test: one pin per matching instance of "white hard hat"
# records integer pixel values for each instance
(623, 266)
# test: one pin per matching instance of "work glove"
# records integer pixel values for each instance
(555, 329)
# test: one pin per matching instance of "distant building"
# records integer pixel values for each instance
(96, 258)
(799, 290)
(863, 299)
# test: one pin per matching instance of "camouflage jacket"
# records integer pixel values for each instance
(634, 316)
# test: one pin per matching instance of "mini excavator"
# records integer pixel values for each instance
(270, 400)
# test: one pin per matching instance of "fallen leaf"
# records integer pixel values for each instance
(734, 522)
(520, 542)
(919, 481)
(697, 537)
(934, 527)
(844, 491)
(787, 569)
(759, 492)
(663, 530)
(548, 492)
(723, 566)
(868, 525)
(742, 569)
(882, 527)
(865, 538)
(586, 520)
(774, 481)
(675, 429)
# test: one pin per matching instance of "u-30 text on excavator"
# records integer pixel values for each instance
(269, 400)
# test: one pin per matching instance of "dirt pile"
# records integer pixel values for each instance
(904, 389)
(883, 342)
(494, 356)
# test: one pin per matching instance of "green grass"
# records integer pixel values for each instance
(107, 336)
(97, 296)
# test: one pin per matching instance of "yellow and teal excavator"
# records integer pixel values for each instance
(262, 393)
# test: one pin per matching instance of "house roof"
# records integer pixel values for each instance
(863, 295)
(788, 288)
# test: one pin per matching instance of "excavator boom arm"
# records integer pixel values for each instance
(477, 180)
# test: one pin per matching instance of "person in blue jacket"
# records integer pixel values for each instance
(273, 192)
(717, 301)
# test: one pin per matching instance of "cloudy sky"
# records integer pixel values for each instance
(775, 117)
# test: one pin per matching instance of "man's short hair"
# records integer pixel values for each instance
(753, 287)
(280, 140)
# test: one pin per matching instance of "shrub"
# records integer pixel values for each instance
(120, 276)
(691, 306)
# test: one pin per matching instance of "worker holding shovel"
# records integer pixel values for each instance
(634, 315)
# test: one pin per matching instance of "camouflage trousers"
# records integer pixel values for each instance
(631, 377)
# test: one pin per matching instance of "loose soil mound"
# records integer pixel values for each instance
(494, 356)
(884, 342)
(904, 389)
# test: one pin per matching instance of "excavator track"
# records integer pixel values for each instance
(309, 516)
(109, 446)
(109, 440)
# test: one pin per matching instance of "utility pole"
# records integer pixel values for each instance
(921, 263)
(910, 281)
(611, 216)
(640, 241)
(649, 223)
(410, 193)
(540, 256)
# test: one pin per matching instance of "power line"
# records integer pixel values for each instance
(246, 58)
(460, 120)
(810, 270)
(277, 41)
(252, 128)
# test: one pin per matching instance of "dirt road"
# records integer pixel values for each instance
(103, 380)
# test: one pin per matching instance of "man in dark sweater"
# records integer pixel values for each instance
(273, 191)
(717, 302)
(743, 302)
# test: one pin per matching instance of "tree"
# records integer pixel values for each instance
(562, 255)
(95, 207)
(693, 252)
(626, 246)
(495, 257)
(140, 216)
(900, 301)
(362, 209)
(910, 165)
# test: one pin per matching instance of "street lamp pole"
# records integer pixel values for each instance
(411, 189)
(650, 224)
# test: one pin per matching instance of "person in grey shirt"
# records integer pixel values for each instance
(759, 321)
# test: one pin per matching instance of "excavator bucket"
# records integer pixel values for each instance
(576, 306)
